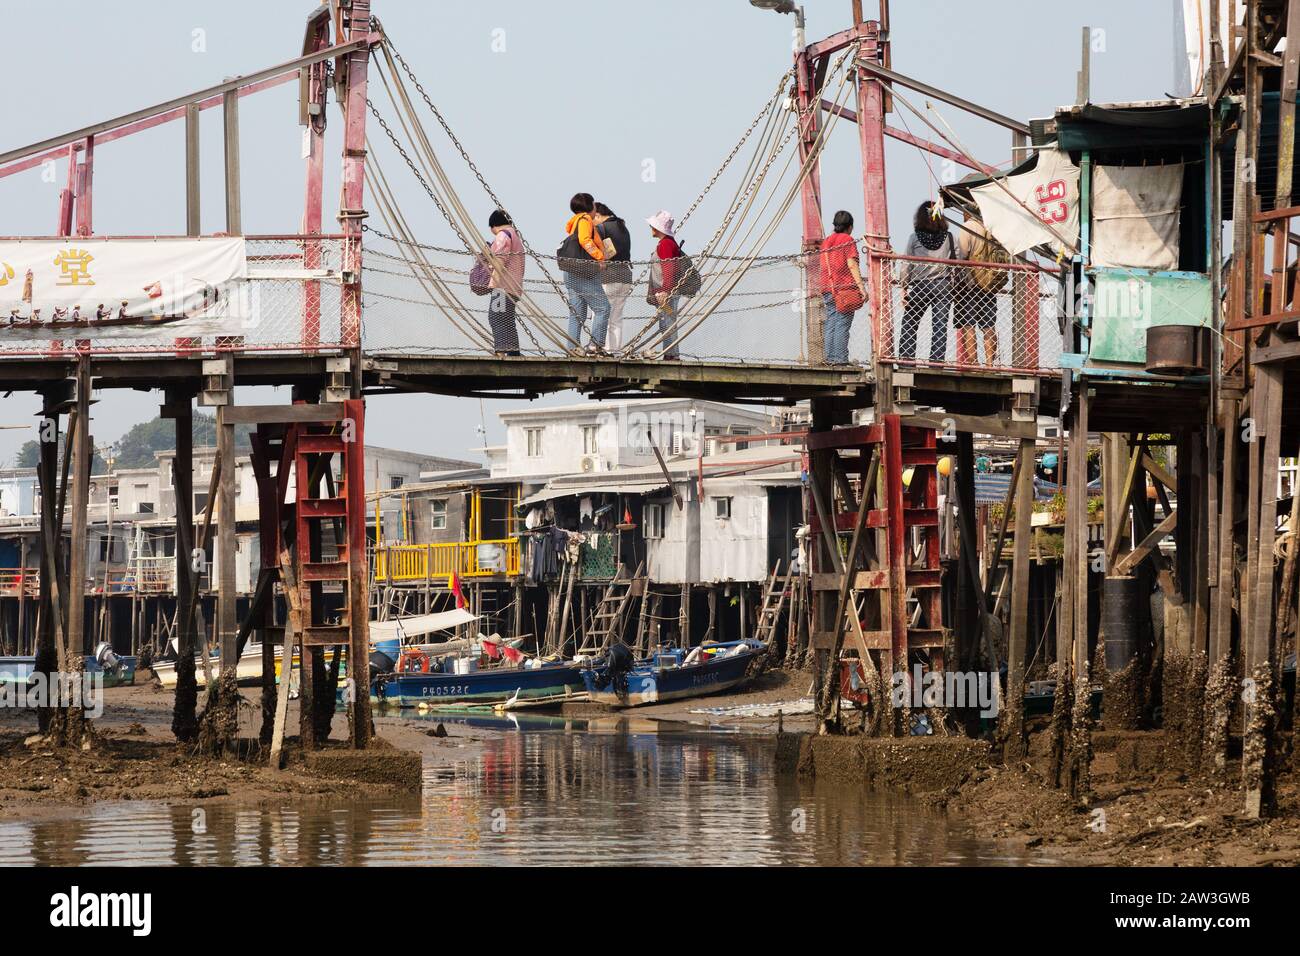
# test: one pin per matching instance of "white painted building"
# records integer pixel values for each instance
(602, 436)
(735, 529)
(18, 494)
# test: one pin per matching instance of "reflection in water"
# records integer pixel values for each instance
(537, 797)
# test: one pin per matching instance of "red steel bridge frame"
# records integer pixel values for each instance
(327, 416)
(903, 515)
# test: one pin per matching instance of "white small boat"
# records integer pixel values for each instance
(249, 669)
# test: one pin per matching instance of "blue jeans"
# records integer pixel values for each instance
(586, 292)
(837, 331)
(934, 295)
(668, 325)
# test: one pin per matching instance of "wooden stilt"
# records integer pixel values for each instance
(1259, 756)
(179, 407)
(1013, 706)
(81, 454)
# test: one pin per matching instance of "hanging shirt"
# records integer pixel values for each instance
(1045, 208)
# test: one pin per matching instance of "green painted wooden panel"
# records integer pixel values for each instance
(1126, 302)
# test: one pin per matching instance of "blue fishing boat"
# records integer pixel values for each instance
(672, 674)
(411, 685)
(119, 671)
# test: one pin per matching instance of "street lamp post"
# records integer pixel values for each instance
(786, 6)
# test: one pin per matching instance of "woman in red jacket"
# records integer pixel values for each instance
(664, 276)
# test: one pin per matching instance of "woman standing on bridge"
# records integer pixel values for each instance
(665, 279)
(582, 258)
(926, 284)
(507, 283)
(617, 277)
(843, 290)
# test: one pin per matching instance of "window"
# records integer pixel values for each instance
(144, 508)
(740, 445)
(534, 436)
(654, 516)
(722, 508)
(438, 514)
(589, 434)
(396, 481)
(200, 502)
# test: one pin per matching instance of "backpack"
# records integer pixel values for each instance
(571, 257)
(988, 249)
(690, 283)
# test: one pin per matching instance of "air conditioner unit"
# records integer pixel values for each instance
(684, 443)
(590, 463)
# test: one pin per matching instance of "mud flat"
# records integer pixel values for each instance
(1144, 809)
(135, 757)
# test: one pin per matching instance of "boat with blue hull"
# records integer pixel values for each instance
(118, 672)
(673, 674)
(487, 686)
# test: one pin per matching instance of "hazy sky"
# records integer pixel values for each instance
(549, 96)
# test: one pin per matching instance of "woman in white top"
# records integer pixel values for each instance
(926, 285)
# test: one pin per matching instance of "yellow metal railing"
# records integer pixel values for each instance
(437, 562)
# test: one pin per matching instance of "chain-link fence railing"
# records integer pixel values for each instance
(290, 302)
(966, 314)
(422, 300)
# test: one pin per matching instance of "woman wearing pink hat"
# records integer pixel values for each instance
(664, 276)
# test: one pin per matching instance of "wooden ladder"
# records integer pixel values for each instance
(611, 612)
(769, 611)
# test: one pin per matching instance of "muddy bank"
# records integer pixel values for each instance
(1145, 807)
(1142, 811)
(135, 757)
(127, 765)
(914, 765)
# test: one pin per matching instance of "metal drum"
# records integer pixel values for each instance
(1119, 619)
(1178, 350)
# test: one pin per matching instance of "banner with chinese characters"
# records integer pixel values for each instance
(112, 286)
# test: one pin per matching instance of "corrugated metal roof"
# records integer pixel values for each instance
(600, 488)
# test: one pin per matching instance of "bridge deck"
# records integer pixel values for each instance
(961, 390)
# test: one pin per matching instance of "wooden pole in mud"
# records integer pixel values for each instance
(49, 617)
(1259, 746)
(179, 407)
(75, 635)
(1014, 706)
(227, 595)
(292, 632)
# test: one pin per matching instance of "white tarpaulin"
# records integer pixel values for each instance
(1045, 207)
(1135, 216)
(419, 624)
(1194, 43)
(43, 281)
